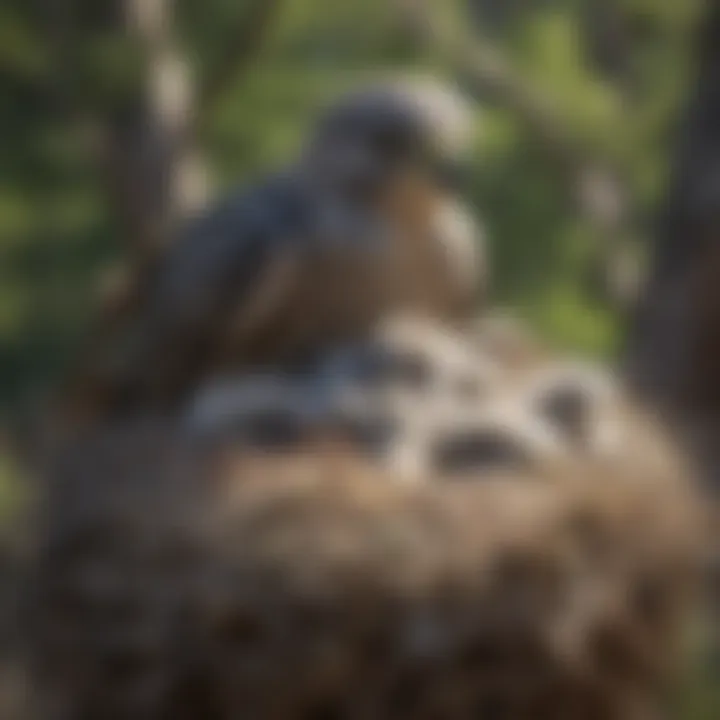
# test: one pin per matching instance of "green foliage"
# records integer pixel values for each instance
(58, 232)
(697, 696)
(11, 492)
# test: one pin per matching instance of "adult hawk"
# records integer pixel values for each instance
(364, 223)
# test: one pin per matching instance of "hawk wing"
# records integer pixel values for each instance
(240, 254)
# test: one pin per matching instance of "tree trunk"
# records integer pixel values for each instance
(149, 159)
(674, 353)
(152, 162)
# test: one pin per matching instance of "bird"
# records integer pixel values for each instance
(367, 220)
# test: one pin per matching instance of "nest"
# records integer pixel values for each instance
(181, 579)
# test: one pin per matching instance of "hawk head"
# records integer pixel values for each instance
(378, 135)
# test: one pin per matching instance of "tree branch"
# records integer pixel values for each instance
(152, 170)
(594, 185)
(253, 27)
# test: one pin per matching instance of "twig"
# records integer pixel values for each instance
(252, 30)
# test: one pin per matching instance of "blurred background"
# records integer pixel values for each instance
(104, 103)
(119, 117)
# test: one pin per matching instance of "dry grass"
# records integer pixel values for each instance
(176, 581)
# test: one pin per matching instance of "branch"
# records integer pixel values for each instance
(595, 186)
(154, 178)
(248, 37)
(598, 190)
